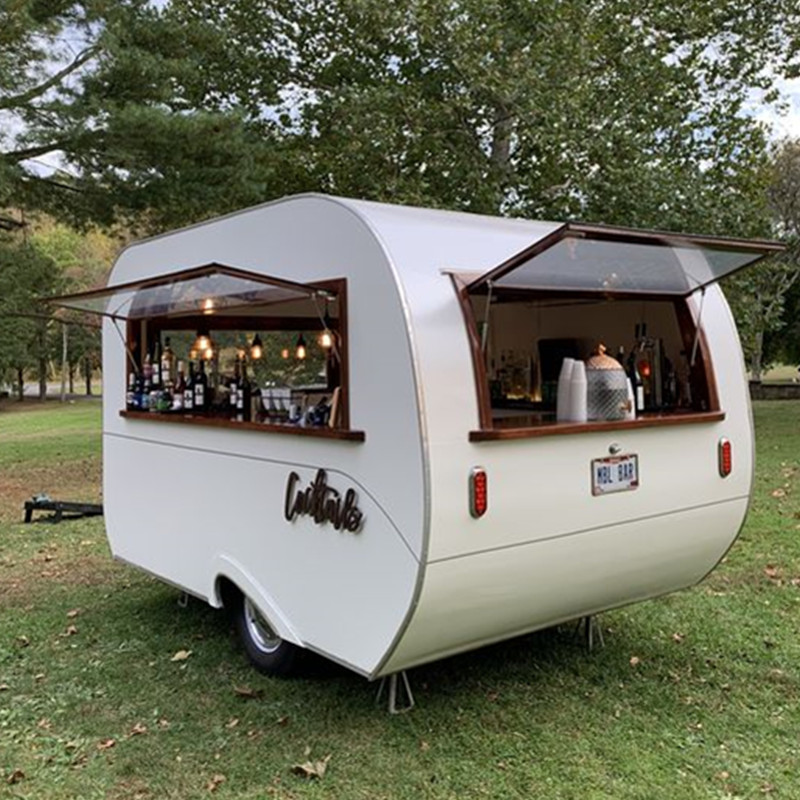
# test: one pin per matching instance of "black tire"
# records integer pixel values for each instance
(267, 652)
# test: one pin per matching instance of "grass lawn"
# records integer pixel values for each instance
(696, 695)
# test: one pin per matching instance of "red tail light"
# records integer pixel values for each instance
(478, 492)
(725, 458)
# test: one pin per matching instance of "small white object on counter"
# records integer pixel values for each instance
(563, 396)
(577, 392)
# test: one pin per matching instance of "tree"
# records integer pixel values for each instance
(557, 108)
(759, 295)
(25, 276)
(119, 93)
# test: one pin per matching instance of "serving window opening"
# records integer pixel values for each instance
(221, 346)
(623, 307)
(526, 338)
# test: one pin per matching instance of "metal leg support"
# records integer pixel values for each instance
(405, 690)
(183, 600)
(590, 628)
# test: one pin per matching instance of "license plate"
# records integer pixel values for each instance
(616, 474)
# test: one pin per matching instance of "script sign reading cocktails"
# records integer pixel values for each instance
(322, 503)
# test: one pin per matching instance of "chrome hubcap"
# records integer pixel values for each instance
(260, 632)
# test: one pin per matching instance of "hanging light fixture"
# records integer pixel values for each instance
(256, 348)
(202, 344)
(208, 305)
(300, 349)
(285, 352)
(326, 337)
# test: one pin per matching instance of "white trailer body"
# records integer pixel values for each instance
(421, 577)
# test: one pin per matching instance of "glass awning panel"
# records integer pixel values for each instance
(617, 260)
(207, 290)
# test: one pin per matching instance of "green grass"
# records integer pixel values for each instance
(707, 709)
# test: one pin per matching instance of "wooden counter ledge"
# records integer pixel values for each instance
(263, 427)
(564, 428)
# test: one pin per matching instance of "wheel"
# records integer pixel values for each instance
(267, 652)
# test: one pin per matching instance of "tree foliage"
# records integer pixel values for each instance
(627, 111)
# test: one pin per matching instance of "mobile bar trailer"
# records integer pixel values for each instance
(367, 463)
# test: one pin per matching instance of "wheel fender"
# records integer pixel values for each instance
(236, 573)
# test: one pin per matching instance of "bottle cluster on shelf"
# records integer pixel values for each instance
(167, 385)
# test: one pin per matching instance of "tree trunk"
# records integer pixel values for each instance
(42, 362)
(72, 378)
(20, 384)
(87, 367)
(64, 360)
(500, 156)
(756, 366)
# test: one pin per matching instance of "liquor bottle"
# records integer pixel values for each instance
(147, 368)
(636, 382)
(179, 390)
(147, 385)
(139, 394)
(130, 396)
(233, 397)
(168, 364)
(200, 388)
(188, 391)
(243, 397)
(164, 400)
(156, 362)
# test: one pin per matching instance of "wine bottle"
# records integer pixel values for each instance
(168, 364)
(200, 388)
(243, 396)
(130, 396)
(234, 389)
(179, 390)
(636, 382)
(156, 362)
(188, 391)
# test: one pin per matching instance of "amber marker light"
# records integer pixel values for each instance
(725, 458)
(478, 492)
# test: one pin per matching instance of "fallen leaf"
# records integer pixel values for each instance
(635, 661)
(44, 724)
(247, 692)
(138, 729)
(163, 723)
(767, 788)
(283, 721)
(424, 746)
(181, 655)
(23, 641)
(73, 613)
(723, 776)
(39, 677)
(15, 777)
(106, 744)
(71, 630)
(493, 696)
(771, 572)
(779, 493)
(312, 769)
(215, 782)
(233, 723)
(4, 687)
(677, 637)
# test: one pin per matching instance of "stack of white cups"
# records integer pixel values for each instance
(571, 397)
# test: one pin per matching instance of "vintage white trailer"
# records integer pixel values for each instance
(439, 505)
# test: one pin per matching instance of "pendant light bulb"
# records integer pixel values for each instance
(300, 351)
(285, 352)
(326, 339)
(256, 348)
(202, 342)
